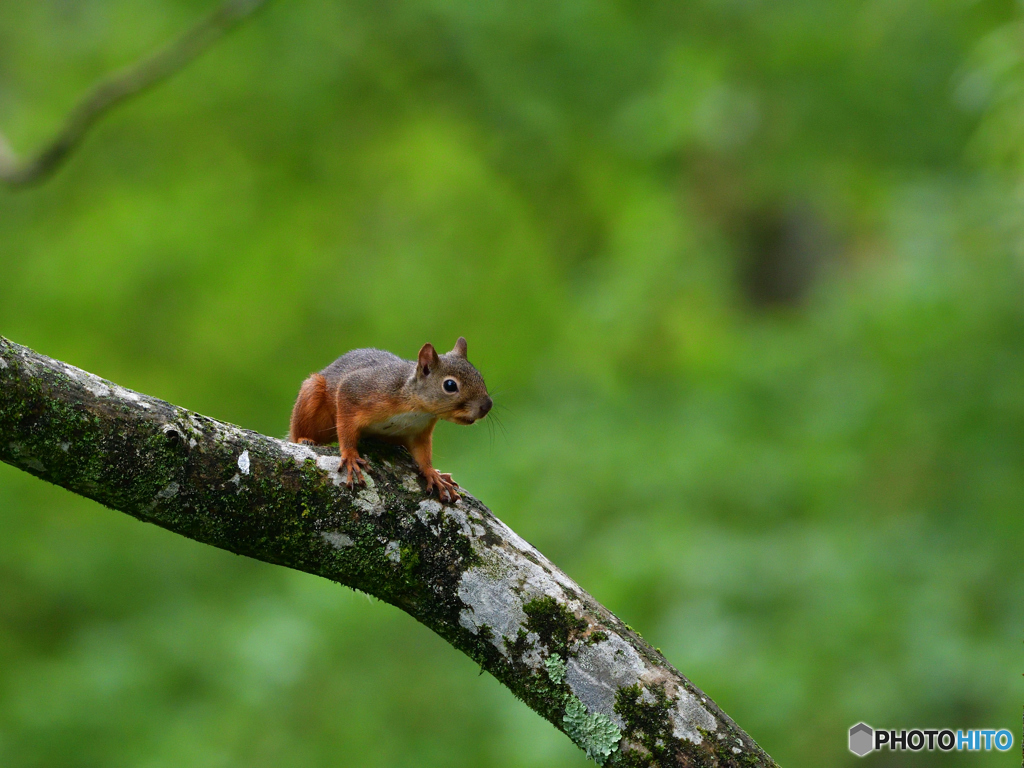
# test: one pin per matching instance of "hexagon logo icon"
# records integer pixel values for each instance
(862, 738)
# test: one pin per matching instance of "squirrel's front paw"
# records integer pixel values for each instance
(350, 466)
(445, 486)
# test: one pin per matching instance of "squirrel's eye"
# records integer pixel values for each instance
(451, 385)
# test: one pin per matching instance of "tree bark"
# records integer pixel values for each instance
(456, 568)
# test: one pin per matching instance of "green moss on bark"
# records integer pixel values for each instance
(555, 624)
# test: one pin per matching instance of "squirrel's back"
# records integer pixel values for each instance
(389, 369)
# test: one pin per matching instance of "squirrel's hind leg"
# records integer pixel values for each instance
(312, 417)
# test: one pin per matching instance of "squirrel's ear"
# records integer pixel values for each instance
(460, 348)
(427, 360)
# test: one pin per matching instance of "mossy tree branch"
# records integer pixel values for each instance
(117, 88)
(457, 568)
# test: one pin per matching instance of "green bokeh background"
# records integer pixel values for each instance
(745, 276)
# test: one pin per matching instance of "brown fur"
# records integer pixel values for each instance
(369, 390)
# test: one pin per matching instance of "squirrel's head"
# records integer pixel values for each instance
(451, 385)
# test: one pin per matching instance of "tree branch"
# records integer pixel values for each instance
(119, 87)
(457, 569)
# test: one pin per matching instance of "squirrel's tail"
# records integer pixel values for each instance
(313, 414)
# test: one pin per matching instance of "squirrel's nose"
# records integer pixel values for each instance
(485, 407)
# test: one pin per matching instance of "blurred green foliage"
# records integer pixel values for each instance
(745, 276)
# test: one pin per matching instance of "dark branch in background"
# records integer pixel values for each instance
(457, 568)
(119, 87)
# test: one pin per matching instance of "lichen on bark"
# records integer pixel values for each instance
(456, 568)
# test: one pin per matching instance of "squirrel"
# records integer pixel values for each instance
(373, 392)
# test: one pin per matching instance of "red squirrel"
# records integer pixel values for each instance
(373, 392)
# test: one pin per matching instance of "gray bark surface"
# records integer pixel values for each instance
(456, 568)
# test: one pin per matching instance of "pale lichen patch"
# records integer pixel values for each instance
(368, 500)
(496, 591)
(597, 671)
(537, 581)
(303, 453)
(534, 657)
(96, 387)
(427, 511)
(243, 462)
(3, 363)
(469, 529)
(337, 540)
(328, 464)
(127, 394)
(196, 425)
(513, 538)
(556, 669)
(689, 718)
(171, 489)
(492, 603)
(594, 733)
(226, 433)
(393, 552)
(93, 383)
(101, 387)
